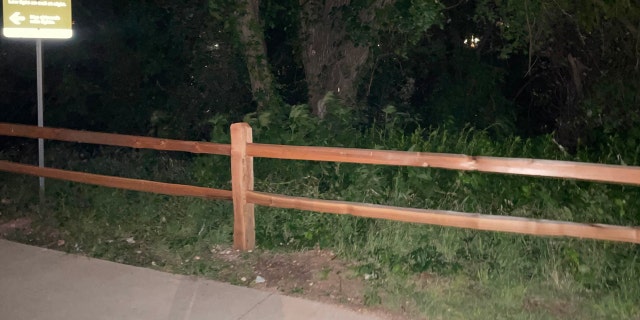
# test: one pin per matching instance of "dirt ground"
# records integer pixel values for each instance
(314, 274)
(22, 225)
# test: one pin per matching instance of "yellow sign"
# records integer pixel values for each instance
(37, 19)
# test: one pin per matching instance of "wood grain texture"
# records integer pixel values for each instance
(242, 151)
(19, 130)
(452, 218)
(529, 167)
(242, 182)
(117, 182)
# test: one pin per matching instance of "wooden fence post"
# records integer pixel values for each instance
(244, 237)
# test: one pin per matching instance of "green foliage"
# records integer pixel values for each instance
(151, 68)
(521, 25)
(469, 93)
(473, 274)
(394, 24)
(390, 249)
(612, 117)
(581, 62)
(530, 26)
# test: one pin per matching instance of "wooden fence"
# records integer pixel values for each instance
(242, 151)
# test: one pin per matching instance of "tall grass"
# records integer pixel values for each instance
(425, 270)
(530, 276)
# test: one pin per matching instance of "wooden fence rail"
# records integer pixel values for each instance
(242, 151)
(518, 166)
(475, 221)
(110, 139)
(117, 182)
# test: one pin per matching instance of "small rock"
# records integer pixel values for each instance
(243, 279)
(260, 279)
(130, 240)
(153, 263)
(61, 242)
(196, 258)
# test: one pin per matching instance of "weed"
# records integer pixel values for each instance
(324, 273)
(426, 271)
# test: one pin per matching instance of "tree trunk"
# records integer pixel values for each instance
(251, 34)
(332, 62)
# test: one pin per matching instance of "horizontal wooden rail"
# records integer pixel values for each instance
(117, 182)
(244, 197)
(452, 218)
(529, 167)
(19, 130)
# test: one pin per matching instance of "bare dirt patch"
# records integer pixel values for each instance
(559, 309)
(22, 225)
(313, 274)
(25, 230)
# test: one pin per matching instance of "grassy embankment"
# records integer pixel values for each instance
(419, 270)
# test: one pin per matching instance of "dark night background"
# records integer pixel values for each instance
(165, 68)
(528, 79)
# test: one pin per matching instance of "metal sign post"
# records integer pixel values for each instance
(37, 19)
(40, 112)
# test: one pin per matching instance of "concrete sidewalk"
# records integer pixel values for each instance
(37, 283)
